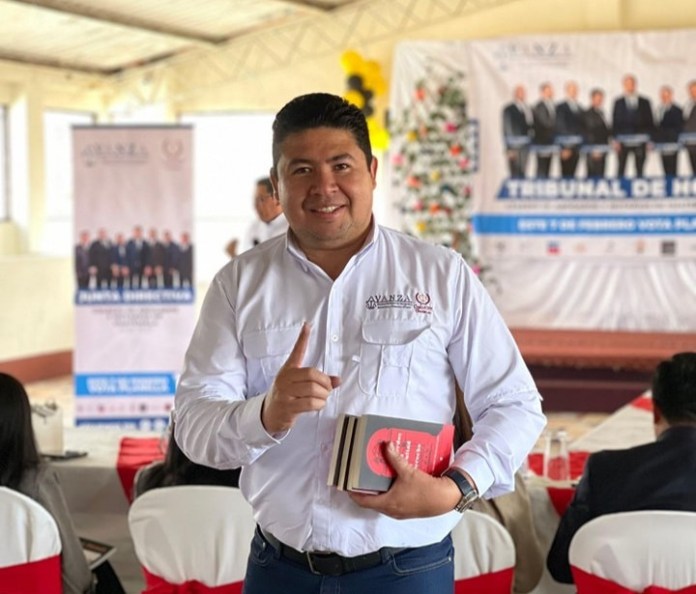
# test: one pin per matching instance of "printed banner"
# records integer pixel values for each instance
(134, 275)
(584, 194)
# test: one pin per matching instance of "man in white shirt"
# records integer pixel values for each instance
(337, 316)
(270, 222)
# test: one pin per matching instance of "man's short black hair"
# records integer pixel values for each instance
(266, 183)
(319, 110)
(674, 388)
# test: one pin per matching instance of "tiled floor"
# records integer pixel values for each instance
(61, 391)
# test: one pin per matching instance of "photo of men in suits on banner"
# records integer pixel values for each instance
(639, 134)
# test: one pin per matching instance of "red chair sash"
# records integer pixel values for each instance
(156, 585)
(560, 498)
(535, 461)
(496, 582)
(134, 453)
(643, 402)
(35, 577)
(588, 583)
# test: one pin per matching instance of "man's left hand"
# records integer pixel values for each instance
(413, 494)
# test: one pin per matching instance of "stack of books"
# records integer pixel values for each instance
(358, 462)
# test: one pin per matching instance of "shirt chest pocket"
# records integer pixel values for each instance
(266, 351)
(387, 351)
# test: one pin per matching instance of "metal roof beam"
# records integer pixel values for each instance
(123, 20)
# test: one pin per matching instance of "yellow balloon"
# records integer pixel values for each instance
(379, 137)
(351, 61)
(372, 68)
(355, 98)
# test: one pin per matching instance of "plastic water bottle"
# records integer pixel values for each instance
(556, 458)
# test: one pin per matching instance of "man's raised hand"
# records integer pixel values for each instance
(296, 389)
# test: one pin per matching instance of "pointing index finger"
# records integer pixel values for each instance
(296, 356)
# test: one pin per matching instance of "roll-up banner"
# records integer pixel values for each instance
(134, 276)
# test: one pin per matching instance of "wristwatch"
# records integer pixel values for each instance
(469, 493)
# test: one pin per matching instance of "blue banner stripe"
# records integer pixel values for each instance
(602, 189)
(128, 297)
(125, 384)
(657, 224)
(139, 423)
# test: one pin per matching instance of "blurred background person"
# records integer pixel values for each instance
(176, 469)
(569, 123)
(82, 274)
(669, 121)
(136, 256)
(185, 261)
(154, 265)
(23, 470)
(119, 261)
(690, 125)
(517, 131)
(170, 259)
(631, 116)
(660, 475)
(544, 129)
(270, 222)
(596, 134)
(100, 259)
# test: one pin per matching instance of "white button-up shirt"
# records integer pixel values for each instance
(260, 231)
(402, 320)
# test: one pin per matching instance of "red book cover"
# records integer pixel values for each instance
(425, 445)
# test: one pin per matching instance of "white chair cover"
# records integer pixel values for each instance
(189, 533)
(639, 549)
(481, 546)
(29, 532)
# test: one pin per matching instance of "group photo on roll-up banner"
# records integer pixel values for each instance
(134, 273)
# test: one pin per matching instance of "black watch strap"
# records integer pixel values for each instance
(469, 494)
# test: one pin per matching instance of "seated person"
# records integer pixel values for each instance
(177, 469)
(514, 511)
(23, 470)
(660, 475)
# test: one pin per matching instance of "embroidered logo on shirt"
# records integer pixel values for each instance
(420, 302)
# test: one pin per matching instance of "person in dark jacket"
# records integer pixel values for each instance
(632, 120)
(660, 475)
(596, 134)
(669, 122)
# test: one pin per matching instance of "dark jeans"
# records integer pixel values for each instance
(422, 570)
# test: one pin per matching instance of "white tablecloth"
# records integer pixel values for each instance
(100, 508)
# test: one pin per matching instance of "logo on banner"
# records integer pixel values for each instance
(126, 153)
(173, 152)
(517, 53)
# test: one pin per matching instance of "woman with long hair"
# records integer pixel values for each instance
(22, 469)
(178, 469)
